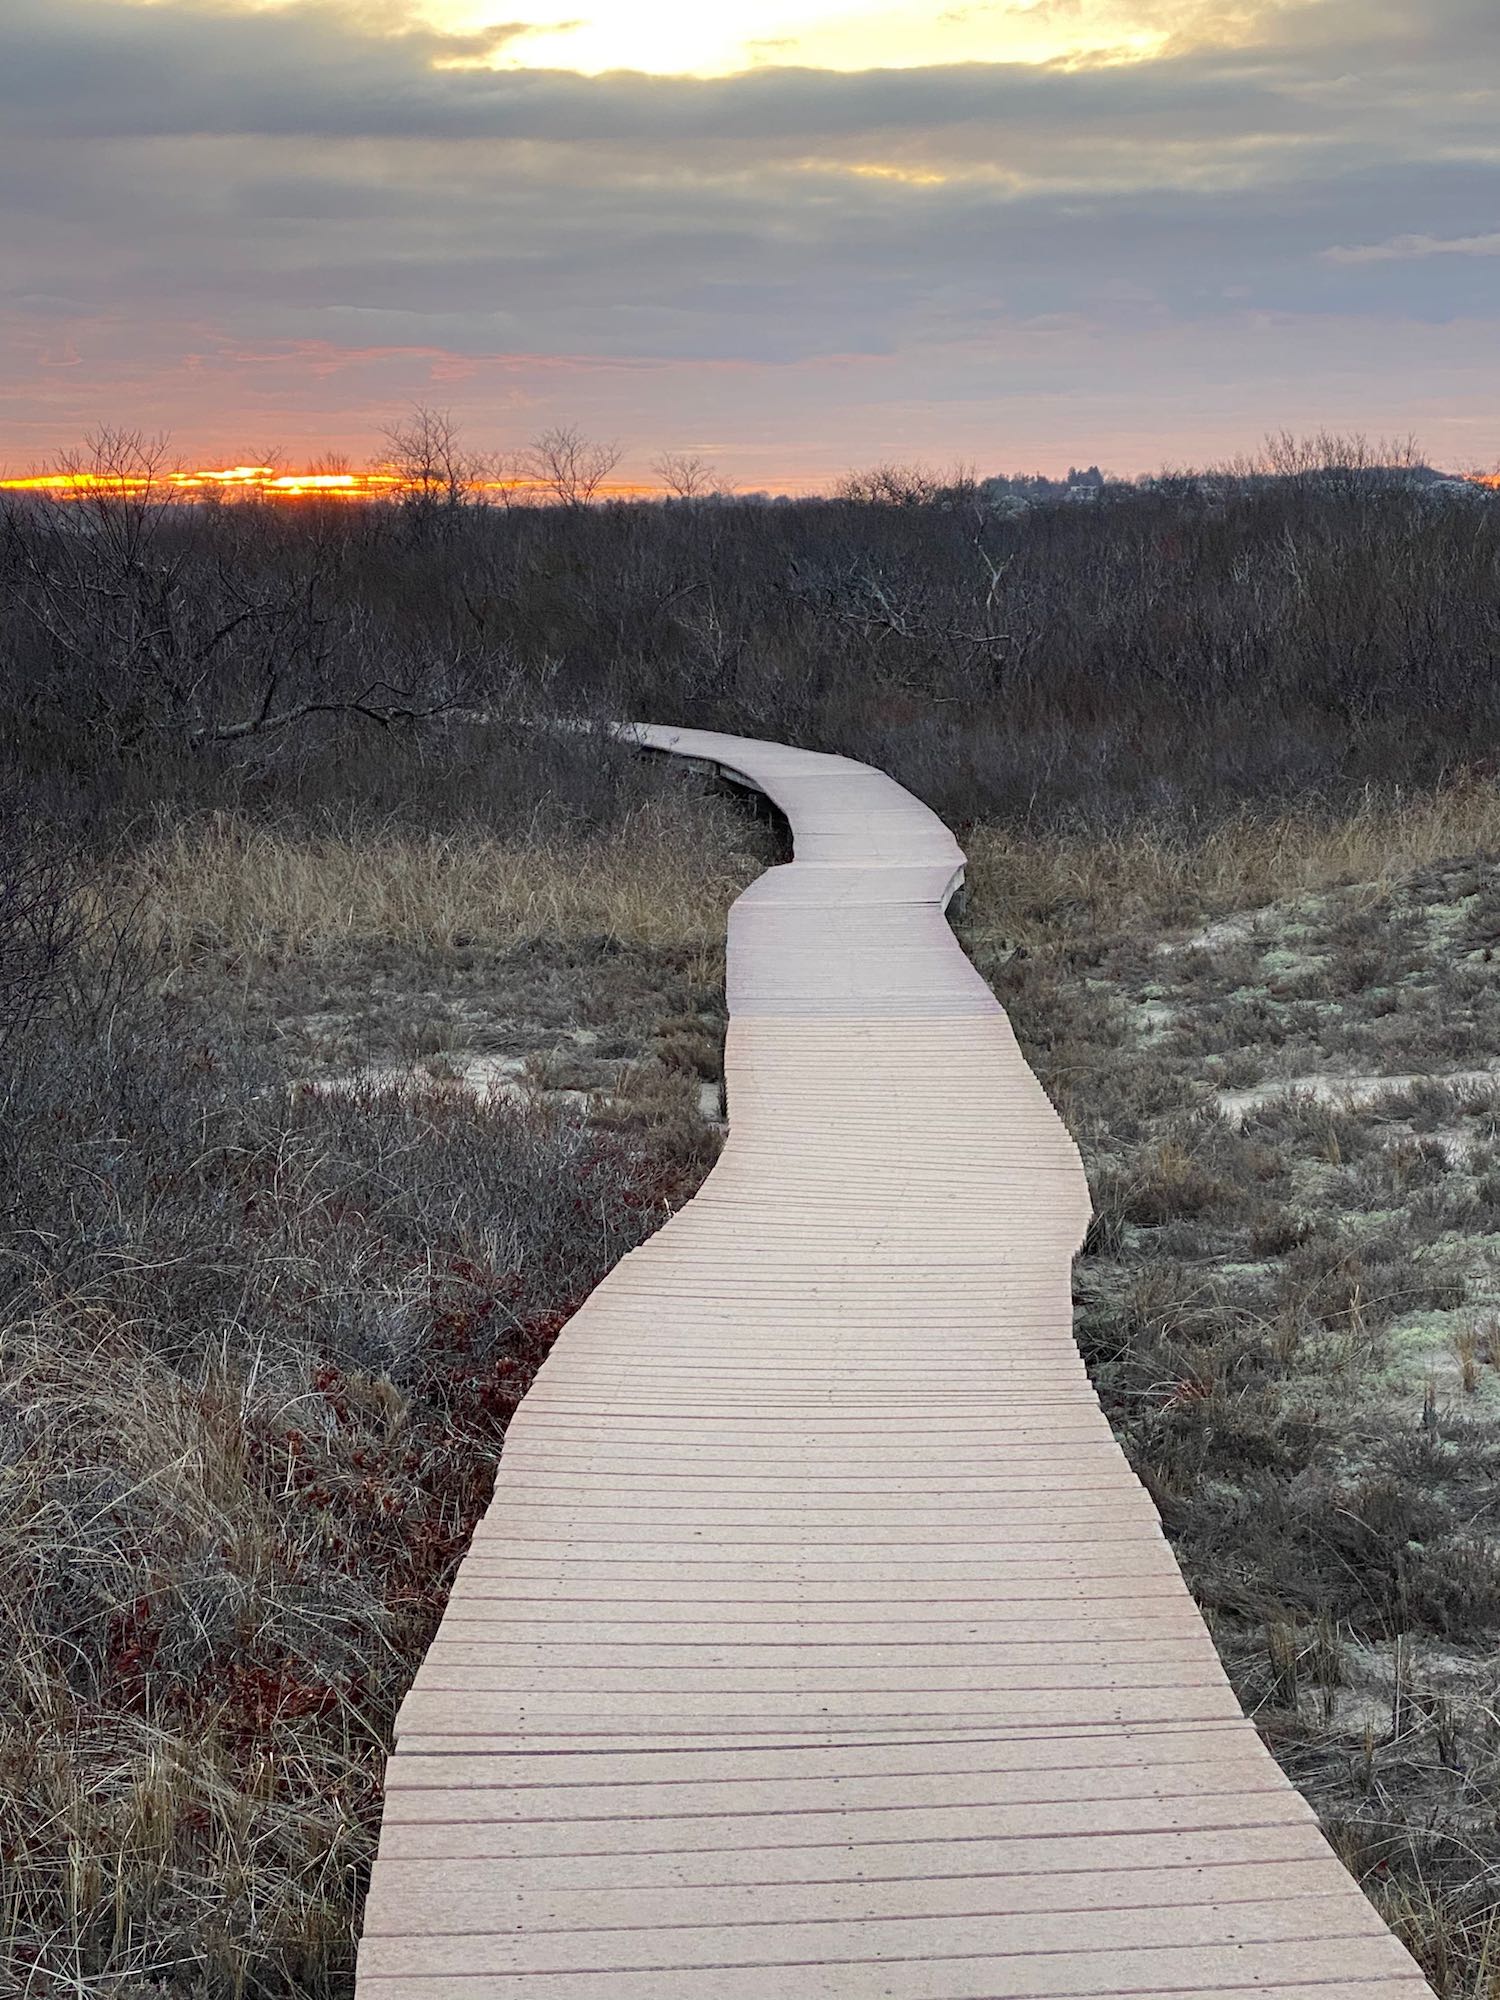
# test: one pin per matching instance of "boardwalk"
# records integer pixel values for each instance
(819, 1643)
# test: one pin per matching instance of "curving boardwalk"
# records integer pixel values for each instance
(819, 1643)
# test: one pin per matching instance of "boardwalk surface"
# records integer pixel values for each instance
(819, 1643)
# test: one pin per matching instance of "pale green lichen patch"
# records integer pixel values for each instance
(1446, 1356)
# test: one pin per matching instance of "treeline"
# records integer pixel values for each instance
(1168, 651)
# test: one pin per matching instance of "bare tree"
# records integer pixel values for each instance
(567, 466)
(155, 632)
(117, 488)
(426, 452)
(684, 474)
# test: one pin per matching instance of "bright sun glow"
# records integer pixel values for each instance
(726, 37)
(264, 482)
(193, 484)
(688, 37)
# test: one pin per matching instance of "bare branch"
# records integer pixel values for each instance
(684, 474)
(426, 452)
(567, 466)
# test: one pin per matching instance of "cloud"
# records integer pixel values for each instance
(1399, 249)
(302, 182)
(93, 69)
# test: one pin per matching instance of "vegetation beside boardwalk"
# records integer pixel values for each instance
(1160, 654)
(1290, 1296)
(354, 1019)
(259, 1341)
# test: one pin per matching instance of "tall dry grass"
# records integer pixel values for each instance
(1021, 885)
(660, 880)
(257, 1353)
(258, 1349)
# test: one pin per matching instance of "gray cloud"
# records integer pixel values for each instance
(1401, 248)
(199, 190)
(88, 69)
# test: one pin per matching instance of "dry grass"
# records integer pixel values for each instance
(1289, 1313)
(250, 1404)
(259, 1343)
(148, 1826)
(1023, 886)
(226, 885)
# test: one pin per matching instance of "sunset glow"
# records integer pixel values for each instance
(264, 482)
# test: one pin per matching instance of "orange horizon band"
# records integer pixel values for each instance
(265, 479)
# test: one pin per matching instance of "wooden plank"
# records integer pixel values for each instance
(819, 1642)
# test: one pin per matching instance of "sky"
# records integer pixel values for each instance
(794, 236)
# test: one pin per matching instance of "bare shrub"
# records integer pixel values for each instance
(148, 637)
(1163, 656)
(41, 922)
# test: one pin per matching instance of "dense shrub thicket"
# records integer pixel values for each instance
(1171, 651)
